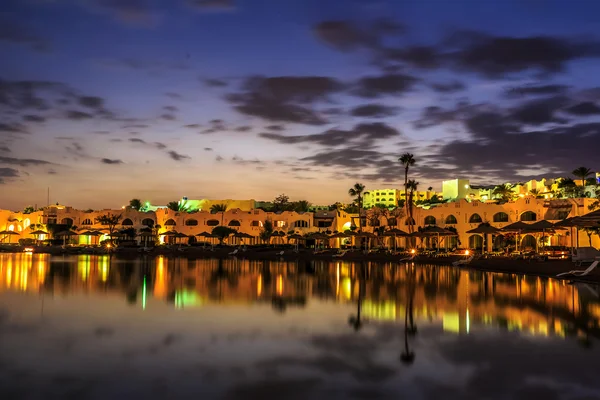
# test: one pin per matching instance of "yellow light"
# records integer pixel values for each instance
(280, 285)
(259, 286)
(108, 246)
(28, 249)
(466, 252)
(413, 251)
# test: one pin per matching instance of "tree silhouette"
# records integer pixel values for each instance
(407, 160)
(219, 208)
(136, 204)
(357, 191)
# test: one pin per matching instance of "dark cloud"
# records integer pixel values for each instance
(137, 140)
(218, 158)
(33, 118)
(275, 128)
(22, 162)
(364, 134)
(539, 112)
(435, 115)
(78, 115)
(12, 128)
(127, 11)
(93, 102)
(5, 149)
(212, 5)
(19, 96)
(111, 161)
(173, 95)
(497, 55)
(450, 87)
(583, 109)
(135, 126)
(101, 132)
(521, 91)
(285, 98)
(208, 149)
(12, 31)
(160, 146)
(192, 126)
(352, 158)
(424, 57)
(388, 84)
(216, 125)
(170, 108)
(176, 156)
(373, 111)
(168, 117)
(7, 173)
(214, 82)
(347, 35)
(244, 128)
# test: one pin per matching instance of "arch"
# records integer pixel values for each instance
(500, 217)
(27, 222)
(451, 220)
(409, 221)
(528, 242)
(234, 222)
(127, 222)
(392, 221)
(212, 222)
(148, 222)
(430, 220)
(475, 219)
(191, 222)
(170, 222)
(528, 216)
(300, 224)
(87, 221)
(67, 221)
(475, 242)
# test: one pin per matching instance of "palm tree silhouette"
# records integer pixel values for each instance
(503, 191)
(356, 191)
(412, 185)
(219, 208)
(582, 173)
(355, 320)
(407, 356)
(407, 160)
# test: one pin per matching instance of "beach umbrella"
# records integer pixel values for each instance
(38, 232)
(394, 233)
(9, 234)
(483, 230)
(516, 227)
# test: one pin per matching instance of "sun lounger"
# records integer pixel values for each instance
(279, 253)
(464, 261)
(582, 272)
(341, 253)
(233, 253)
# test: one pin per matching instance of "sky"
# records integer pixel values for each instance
(107, 100)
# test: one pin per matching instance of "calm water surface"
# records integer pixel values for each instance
(92, 327)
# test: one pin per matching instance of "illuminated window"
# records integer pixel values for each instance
(475, 219)
(451, 220)
(212, 222)
(191, 222)
(430, 220)
(234, 222)
(500, 217)
(148, 222)
(170, 222)
(300, 224)
(528, 216)
(87, 221)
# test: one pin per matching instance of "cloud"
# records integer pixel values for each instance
(216, 125)
(135, 126)
(93, 102)
(364, 134)
(529, 90)
(170, 108)
(12, 31)
(12, 128)
(173, 95)
(111, 161)
(275, 128)
(23, 162)
(137, 140)
(383, 85)
(285, 98)
(345, 35)
(168, 117)
(423, 57)
(584, 109)
(352, 158)
(450, 87)
(214, 82)
(5, 149)
(373, 111)
(33, 118)
(539, 112)
(208, 149)
(136, 12)
(78, 115)
(212, 5)
(192, 126)
(219, 158)
(7, 173)
(160, 146)
(243, 128)
(176, 156)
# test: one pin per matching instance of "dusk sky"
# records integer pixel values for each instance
(107, 100)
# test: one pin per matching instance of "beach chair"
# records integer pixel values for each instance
(464, 261)
(341, 253)
(279, 253)
(233, 253)
(581, 272)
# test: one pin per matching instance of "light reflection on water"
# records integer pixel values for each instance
(238, 328)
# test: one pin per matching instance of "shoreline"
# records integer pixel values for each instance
(548, 269)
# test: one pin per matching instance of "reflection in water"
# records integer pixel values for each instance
(457, 299)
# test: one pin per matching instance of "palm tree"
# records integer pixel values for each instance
(173, 205)
(136, 204)
(407, 160)
(219, 208)
(357, 191)
(412, 185)
(582, 173)
(503, 191)
(534, 192)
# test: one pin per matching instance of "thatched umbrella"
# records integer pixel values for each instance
(38, 233)
(368, 235)
(297, 238)
(483, 230)
(435, 231)
(91, 233)
(66, 234)
(318, 236)
(543, 226)
(9, 234)
(518, 227)
(395, 232)
(208, 236)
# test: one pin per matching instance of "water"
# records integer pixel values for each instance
(91, 327)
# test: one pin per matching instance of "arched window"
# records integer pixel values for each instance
(392, 222)
(501, 217)
(475, 219)
(528, 216)
(256, 223)
(451, 220)
(234, 222)
(430, 220)
(191, 222)
(409, 221)
(87, 221)
(527, 243)
(127, 222)
(475, 242)
(170, 222)
(67, 221)
(212, 222)
(148, 222)
(300, 224)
